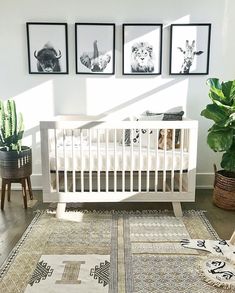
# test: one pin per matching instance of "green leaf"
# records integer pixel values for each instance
(222, 101)
(215, 92)
(230, 121)
(228, 89)
(216, 127)
(222, 94)
(220, 140)
(215, 113)
(214, 82)
(228, 161)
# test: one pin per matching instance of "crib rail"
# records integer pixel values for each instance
(90, 161)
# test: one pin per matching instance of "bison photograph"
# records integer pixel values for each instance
(48, 59)
(47, 48)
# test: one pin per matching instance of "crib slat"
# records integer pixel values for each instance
(156, 161)
(191, 145)
(98, 160)
(107, 160)
(148, 146)
(65, 162)
(46, 136)
(115, 160)
(123, 160)
(90, 161)
(81, 160)
(140, 165)
(131, 167)
(165, 158)
(73, 163)
(181, 158)
(56, 161)
(173, 161)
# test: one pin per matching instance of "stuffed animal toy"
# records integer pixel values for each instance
(161, 140)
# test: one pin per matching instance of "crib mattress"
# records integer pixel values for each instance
(90, 159)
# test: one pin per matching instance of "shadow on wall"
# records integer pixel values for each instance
(38, 104)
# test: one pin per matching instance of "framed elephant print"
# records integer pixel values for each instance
(190, 48)
(142, 49)
(95, 48)
(47, 47)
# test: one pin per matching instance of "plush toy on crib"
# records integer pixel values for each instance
(169, 144)
(161, 140)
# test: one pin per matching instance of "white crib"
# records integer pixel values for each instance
(86, 160)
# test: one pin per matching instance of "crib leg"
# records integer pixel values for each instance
(60, 209)
(177, 209)
(232, 239)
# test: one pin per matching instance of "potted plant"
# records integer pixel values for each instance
(15, 159)
(221, 138)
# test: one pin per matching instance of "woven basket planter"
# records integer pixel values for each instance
(224, 189)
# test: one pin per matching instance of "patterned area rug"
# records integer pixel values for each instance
(113, 252)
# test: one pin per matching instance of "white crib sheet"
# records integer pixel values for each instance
(138, 161)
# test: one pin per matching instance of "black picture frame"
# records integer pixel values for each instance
(190, 49)
(95, 48)
(145, 39)
(47, 47)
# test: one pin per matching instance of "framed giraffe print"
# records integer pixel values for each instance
(190, 48)
(142, 49)
(95, 46)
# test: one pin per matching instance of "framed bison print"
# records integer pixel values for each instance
(190, 48)
(95, 46)
(47, 48)
(142, 49)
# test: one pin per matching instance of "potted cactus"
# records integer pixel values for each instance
(15, 159)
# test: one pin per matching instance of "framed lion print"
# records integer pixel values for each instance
(142, 49)
(95, 46)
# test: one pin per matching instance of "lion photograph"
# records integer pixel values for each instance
(142, 57)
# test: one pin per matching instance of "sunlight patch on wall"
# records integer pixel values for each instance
(183, 19)
(35, 104)
(121, 98)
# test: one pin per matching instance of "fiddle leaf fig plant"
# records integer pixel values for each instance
(221, 136)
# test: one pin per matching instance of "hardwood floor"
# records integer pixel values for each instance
(15, 219)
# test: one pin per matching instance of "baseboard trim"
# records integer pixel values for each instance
(203, 181)
(36, 182)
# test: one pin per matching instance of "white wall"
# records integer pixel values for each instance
(39, 96)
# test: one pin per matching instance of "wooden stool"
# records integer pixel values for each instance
(7, 182)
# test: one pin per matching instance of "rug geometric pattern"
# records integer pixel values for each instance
(109, 252)
(73, 273)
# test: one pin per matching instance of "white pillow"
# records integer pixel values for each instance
(144, 132)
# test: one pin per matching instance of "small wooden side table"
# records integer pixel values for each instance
(7, 183)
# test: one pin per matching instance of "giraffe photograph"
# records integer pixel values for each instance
(142, 49)
(95, 45)
(190, 49)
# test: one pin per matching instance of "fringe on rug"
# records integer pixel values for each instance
(204, 273)
(120, 212)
